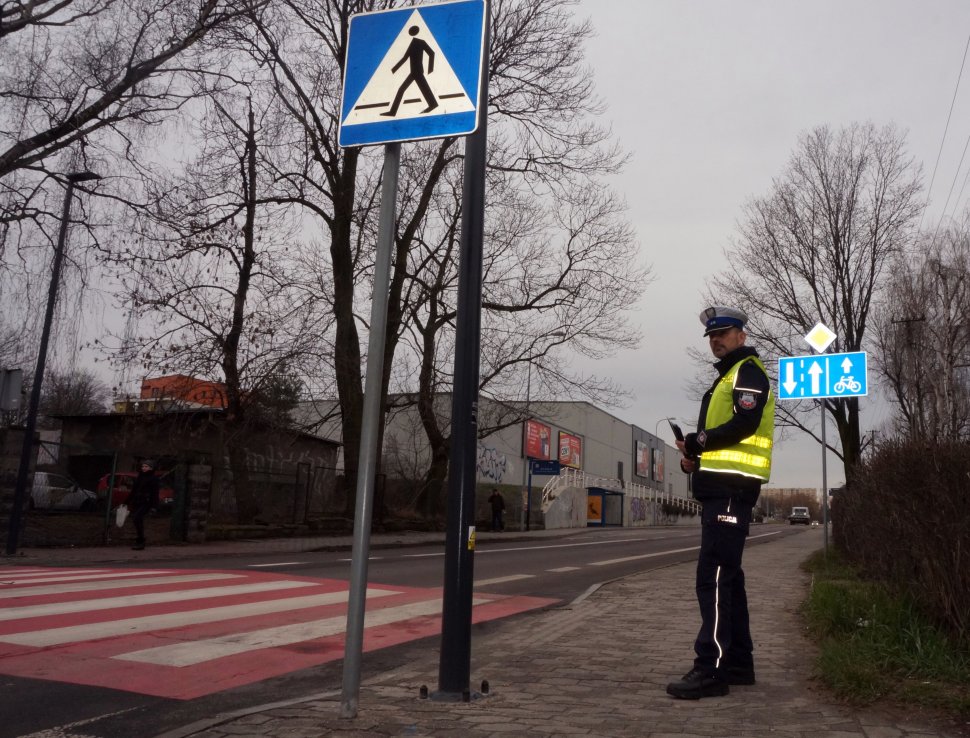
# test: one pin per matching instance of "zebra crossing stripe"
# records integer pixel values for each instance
(153, 598)
(89, 577)
(200, 651)
(19, 573)
(130, 626)
(35, 591)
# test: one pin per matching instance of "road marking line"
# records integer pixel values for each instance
(643, 556)
(153, 598)
(91, 577)
(502, 580)
(664, 553)
(113, 584)
(564, 569)
(484, 550)
(152, 623)
(209, 649)
(281, 563)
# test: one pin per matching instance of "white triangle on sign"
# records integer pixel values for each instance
(413, 64)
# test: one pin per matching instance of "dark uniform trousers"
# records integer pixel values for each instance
(724, 639)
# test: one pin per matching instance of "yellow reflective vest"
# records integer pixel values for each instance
(752, 456)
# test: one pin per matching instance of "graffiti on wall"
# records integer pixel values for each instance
(638, 510)
(492, 464)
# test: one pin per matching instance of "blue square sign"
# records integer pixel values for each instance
(413, 73)
(827, 375)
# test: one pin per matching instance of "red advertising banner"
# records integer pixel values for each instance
(538, 440)
(643, 460)
(570, 450)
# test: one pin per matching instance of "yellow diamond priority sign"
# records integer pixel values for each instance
(820, 337)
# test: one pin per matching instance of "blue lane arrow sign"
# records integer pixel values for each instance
(828, 375)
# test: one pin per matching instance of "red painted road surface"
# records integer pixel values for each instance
(186, 633)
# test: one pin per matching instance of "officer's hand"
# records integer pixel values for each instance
(682, 447)
(688, 466)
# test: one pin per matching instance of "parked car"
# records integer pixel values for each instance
(799, 515)
(57, 492)
(122, 488)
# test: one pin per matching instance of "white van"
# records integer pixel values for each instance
(799, 515)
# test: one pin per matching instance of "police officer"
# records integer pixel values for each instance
(729, 458)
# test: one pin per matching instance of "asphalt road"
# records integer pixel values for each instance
(560, 569)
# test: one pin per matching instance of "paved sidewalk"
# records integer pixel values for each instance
(598, 668)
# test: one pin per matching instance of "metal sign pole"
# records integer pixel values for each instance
(528, 500)
(456, 618)
(366, 464)
(825, 487)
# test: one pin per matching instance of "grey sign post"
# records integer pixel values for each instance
(367, 460)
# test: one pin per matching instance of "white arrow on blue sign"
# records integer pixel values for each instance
(413, 73)
(828, 375)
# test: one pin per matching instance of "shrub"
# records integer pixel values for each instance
(904, 520)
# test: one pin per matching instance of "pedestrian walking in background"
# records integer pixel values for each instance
(729, 458)
(498, 509)
(143, 500)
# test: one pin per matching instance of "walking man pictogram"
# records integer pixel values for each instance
(415, 55)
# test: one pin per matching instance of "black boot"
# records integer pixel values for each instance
(737, 676)
(696, 684)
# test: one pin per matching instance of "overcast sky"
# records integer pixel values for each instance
(710, 97)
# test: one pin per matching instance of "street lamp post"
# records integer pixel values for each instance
(656, 432)
(526, 460)
(656, 426)
(20, 490)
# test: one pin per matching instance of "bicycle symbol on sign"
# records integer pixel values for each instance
(847, 384)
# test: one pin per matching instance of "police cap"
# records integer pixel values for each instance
(720, 317)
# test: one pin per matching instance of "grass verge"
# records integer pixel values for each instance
(875, 646)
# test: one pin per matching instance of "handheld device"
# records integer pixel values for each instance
(678, 433)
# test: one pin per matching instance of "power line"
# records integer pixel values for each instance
(952, 185)
(945, 129)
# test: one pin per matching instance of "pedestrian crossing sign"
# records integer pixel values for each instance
(412, 73)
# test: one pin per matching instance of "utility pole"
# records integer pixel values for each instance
(20, 489)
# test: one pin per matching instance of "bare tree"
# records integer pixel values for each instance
(554, 278)
(79, 81)
(17, 15)
(214, 279)
(76, 67)
(73, 392)
(818, 247)
(542, 128)
(923, 337)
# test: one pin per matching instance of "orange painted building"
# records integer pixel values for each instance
(185, 388)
